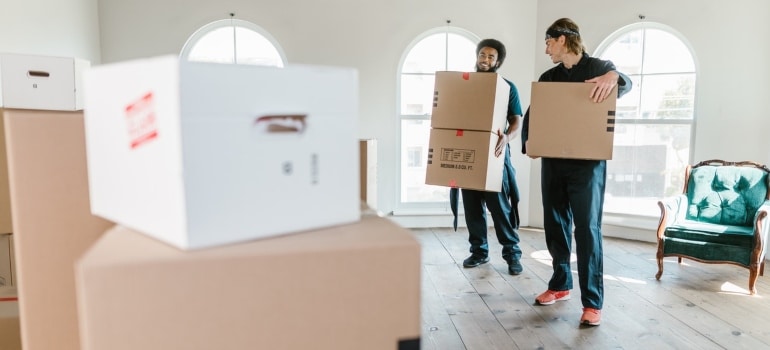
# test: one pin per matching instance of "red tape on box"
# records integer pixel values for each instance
(141, 122)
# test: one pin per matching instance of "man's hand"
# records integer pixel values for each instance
(502, 140)
(604, 85)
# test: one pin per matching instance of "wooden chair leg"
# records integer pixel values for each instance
(660, 269)
(753, 274)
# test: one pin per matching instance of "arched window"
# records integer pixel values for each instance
(233, 41)
(655, 121)
(440, 49)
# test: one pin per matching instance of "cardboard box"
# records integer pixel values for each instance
(41, 82)
(565, 123)
(6, 268)
(353, 286)
(13, 261)
(464, 159)
(205, 154)
(6, 224)
(52, 221)
(10, 333)
(368, 166)
(470, 101)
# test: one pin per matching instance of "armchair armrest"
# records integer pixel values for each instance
(672, 209)
(761, 228)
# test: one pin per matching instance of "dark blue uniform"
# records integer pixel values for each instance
(573, 191)
(503, 205)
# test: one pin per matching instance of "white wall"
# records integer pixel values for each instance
(731, 99)
(370, 35)
(727, 38)
(65, 28)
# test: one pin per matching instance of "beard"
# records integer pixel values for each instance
(492, 69)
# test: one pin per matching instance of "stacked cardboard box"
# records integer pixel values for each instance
(6, 258)
(52, 220)
(239, 215)
(354, 286)
(565, 123)
(10, 338)
(6, 223)
(368, 166)
(52, 223)
(203, 154)
(468, 111)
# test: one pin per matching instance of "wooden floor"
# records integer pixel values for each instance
(693, 306)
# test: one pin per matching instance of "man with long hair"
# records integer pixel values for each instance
(573, 189)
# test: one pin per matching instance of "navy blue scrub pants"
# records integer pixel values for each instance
(503, 207)
(573, 190)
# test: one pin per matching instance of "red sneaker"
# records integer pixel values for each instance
(551, 296)
(591, 316)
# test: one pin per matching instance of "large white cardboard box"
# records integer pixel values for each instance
(41, 82)
(204, 154)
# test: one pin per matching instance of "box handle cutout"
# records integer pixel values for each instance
(281, 123)
(38, 74)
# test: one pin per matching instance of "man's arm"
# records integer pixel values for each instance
(504, 137)
(604, 85)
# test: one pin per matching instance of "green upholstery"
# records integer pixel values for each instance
(720, 217)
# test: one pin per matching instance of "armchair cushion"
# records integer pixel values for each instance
(725, 195)
(710, 241)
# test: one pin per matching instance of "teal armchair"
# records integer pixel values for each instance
(720, 218)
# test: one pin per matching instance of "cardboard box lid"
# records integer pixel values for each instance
(140, 249)
(565, 123)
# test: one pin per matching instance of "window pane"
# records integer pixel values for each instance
(647, 164)
(428, 56)
(650, 152)
(253, 48)
(216, 46)
(665, 53)
(414, 156)
(627, 106)
(417, 94)
(626, 52)
(669, 96)
(414, 138)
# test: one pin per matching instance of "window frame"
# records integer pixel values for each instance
(232, 22)
(604, 45)
(401, 205)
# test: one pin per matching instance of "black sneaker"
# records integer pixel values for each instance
(474, 261)
(515, 268)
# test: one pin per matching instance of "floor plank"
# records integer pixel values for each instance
(693, 306)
